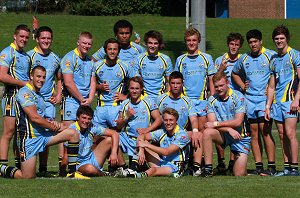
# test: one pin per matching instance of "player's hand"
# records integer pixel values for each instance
(113, 159)
(209, 125)
(142, 157)
(267, 114)
(247, 85)
(196, 140)
(86, 102)
(56, 125)
(104, 86)
(236, 135)
(130, 112)
(119, 96)
(294, 107)
(224, 65)
(141, 143)
(142, 130)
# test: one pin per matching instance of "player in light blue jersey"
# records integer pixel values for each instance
(111, 73)
(197, 69)
(225, 63)
(32, 134)
(153, 66)
(171, 156)
(128, 50)
(284, 81)
(225, 126)
(253, 67)
(14, 74)
(138, 115)
(78, 78)
(90, 161)
(42, 55)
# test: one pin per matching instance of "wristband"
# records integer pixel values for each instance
(216, 123)
(195, 130)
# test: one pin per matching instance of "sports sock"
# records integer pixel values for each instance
(208, 168)
(4, 161)
(196, 166)
(8, 171)
(138, 175)
(42, 168)
(271, 165)
(18, 162)
(259, 166)
(287, 165)
(72, 150)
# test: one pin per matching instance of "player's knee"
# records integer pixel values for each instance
(74, 136)
(88, 169)
(108, 140)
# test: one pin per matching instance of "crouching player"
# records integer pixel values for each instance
(90, 161)
(172, 154)
(31, 130)
(225, 126)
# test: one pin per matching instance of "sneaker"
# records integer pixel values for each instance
(46, 174)
(285, 172)
(120, 172)
(271, 171)
(77, 175)
(294, 172)
(206, 173)
(220, 170)
(260, 172)
(197, 173)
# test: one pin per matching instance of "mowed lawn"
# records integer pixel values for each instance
(66, 29)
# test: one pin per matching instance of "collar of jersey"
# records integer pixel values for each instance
(230, 92)
(169, 93)
(107, 64)
(77, 126)
(227, 55)
(198, 53)
(177, 129)
(141, 97)
(13, 46)
(76, 51)
(158, 54)
(263, 49)
(289, 49)
(29, 86)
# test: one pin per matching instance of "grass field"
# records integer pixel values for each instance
(66, 28)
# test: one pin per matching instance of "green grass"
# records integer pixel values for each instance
(66, 29)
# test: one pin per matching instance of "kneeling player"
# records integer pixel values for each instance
(225, 126)
(172, 154)
(91, 162)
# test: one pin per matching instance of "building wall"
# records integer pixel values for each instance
(256, 9)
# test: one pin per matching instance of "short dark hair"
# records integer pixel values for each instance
(122, 24)
(21, 27)
(254, 34)
(111, 40)
(281, 29)
(170, 111)
(83, 109)
(176, 75)
(43, 29)
(136, 79)
(153, 34)
(39, 67)
(235, 36)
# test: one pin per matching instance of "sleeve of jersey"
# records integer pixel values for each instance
(136, 67)
(181, 140)
(67, 65)
(156, 135)
(176, 66)
(211, 67)
(210, 108)
(152, 104)
(237, 66)
(296, 60)
(192, 110)
(169, 67)
(5, 58)
(93, 69)
(240, 106)
(98, 130)
(25, 98)
(99, 55)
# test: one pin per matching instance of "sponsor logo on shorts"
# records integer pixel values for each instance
(26, 95)
(8, 107)
(68, 113)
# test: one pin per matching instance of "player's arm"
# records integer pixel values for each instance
(236, 122)
(141, 155)
(159, 150)
(7, 79)
(93, 85)
(295, 104)
(122, 120)
(238, 80)
(71, 87)
(270, 95)
(195, 135)
(55, 99)
(34, 117)
(115, 145)
(211, 85)
(156, 123)
(167, 84)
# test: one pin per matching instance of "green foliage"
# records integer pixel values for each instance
(114, 7)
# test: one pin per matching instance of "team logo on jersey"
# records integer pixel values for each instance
(143, 65)
(247, 65)
(8, 107)
(184, 65)
(201, 64)
(232, 108)
(2, 56)
(161, 67)
(143, 111)
(287, 63)
(68, 64)
(37, 62)
(68, 113)
(264, 64)
(101, 73)
(165, 105)
(155, 105)
(183, 137)
(26, 95)
(182, 108)
(118, 74)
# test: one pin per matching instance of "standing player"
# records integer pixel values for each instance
(197, 68)
(154, 67)
(138, 115)
(128, 50)
(284, 81)
(14, 73)
(111, 73)
(225, 126)
(171, 156)
(32, 136)
(225, 63)
(90, 162)
(254, 67)
(42, 55)
(78, 77)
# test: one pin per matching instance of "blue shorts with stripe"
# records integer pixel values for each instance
(200, 107)
(50, 111)
(69, 108)
(91, 160)
(107, 115)
(174, 168)
(128, 144)
(237, 146)
(8, 106)
(256, 106)
(281, 111)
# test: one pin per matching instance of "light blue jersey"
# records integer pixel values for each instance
(195, 70)
(82, 70)
(183, 105)
(228, 70)
(18, 64)
(256, 70)
(284, 68)
(142, 116)
(86, 140)
(114, 76)
(25, 97)
(153, 71)
(51, 63)
(180, 139)
(126, 55)
(227, 109)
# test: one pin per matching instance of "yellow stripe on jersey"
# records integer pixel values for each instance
(287, 95)
(77, 126)
(142, 60)
(148, 108)
(203, 93)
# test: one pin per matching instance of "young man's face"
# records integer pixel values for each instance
(84, 121)
(234, 47)
(152, 46)
(176, 85)
(280, 41)
(38, 78)
(112, 51)
(84, 45)
(192, 42)
(135, 90)
(255, 45)
(170, 122)
(221, 87)
(44, 41)
(123, 35)
(21, 39)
